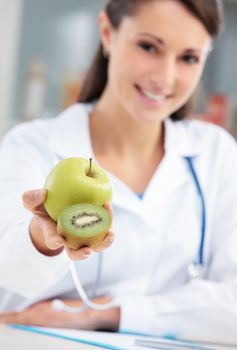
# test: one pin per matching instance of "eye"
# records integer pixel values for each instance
(190, 59)
(146, 46)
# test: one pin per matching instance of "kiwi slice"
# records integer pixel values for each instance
(84, 225)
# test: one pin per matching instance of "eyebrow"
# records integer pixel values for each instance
(162, 43)
(154, 37)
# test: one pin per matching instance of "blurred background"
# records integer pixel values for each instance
(47, 45)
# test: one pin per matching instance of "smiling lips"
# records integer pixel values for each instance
(152, 98)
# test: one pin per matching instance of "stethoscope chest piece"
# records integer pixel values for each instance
(194, 270)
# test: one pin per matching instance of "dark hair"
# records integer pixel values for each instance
(209, 12)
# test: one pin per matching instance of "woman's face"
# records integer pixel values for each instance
(156, 59)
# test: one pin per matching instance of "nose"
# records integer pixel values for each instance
(165, 73)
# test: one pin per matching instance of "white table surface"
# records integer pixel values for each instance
(14, 339)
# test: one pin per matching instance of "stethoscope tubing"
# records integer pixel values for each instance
(200, 259)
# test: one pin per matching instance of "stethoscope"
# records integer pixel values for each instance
(194, 269)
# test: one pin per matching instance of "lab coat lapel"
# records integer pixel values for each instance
(70, 133)
(124, 197)
(172, 172)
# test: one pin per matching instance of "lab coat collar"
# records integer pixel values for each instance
(70, 137)
(182, 138)
(70, 134)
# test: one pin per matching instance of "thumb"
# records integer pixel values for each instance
(32, 200)
(108, 207)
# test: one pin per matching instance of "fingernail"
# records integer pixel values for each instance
(86, 254)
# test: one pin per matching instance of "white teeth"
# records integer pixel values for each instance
(152, 96)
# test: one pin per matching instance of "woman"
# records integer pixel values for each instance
(131, 119)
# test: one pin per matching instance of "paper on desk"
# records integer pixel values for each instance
(118, 341)
(104, 340)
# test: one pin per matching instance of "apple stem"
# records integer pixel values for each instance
(90, 167)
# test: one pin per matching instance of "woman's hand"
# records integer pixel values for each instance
(43, 230)
(43, 314)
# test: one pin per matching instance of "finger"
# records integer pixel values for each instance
(106, 243)
(33, 200)
(51, 237)
(13, 317)
(78, 254)
(108, 207)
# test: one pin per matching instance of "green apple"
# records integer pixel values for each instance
(74, 181)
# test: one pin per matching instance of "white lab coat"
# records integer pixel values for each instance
(156, 237)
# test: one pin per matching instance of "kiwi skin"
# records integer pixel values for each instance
(77, 240)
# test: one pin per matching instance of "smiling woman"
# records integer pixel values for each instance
(206, 14)
(174, 185)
